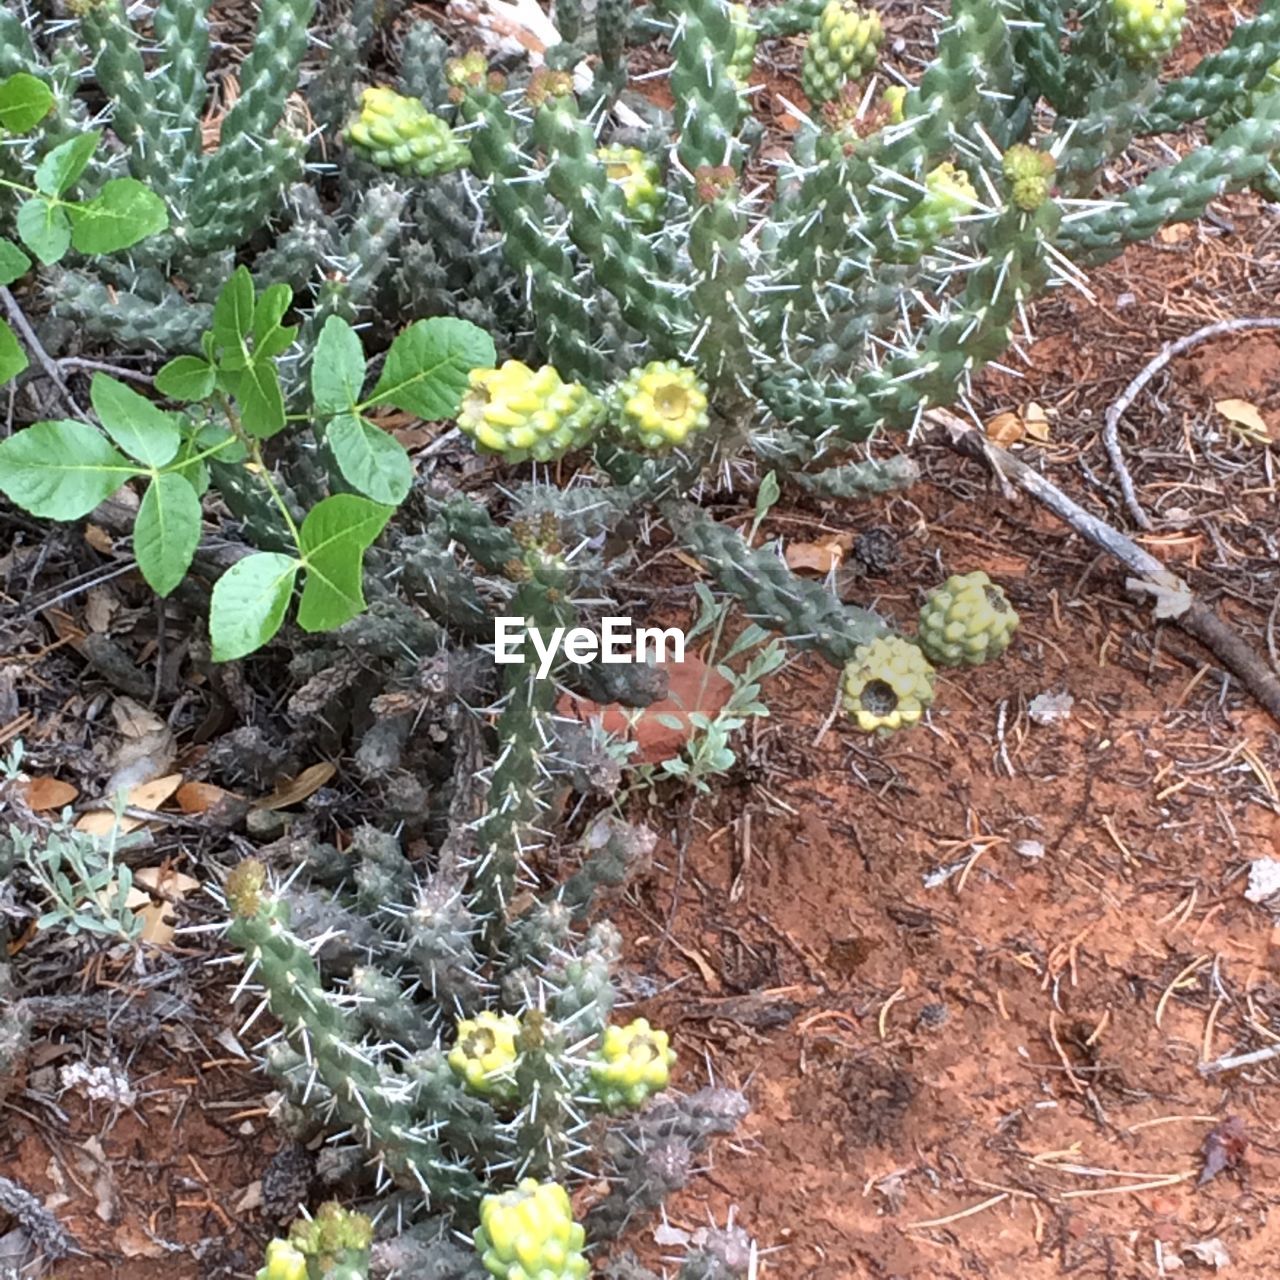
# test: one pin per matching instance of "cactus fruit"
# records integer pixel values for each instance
(529, 1234)
(521, 413)
(284, 1262)
(966, 621)
(638, 178)
(632, 1063)
(399, 133)
(745, 36)
(659, 406)
(1030, 175)
(1146, 31)
(334, 1244)
(842, 47)
(484, 1054)
(949, 194)
(888, 685)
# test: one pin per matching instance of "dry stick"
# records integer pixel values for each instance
(1253, 1059)
(43, 358)
(1174, 600)
(1111, 425)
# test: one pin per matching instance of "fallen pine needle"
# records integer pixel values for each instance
(955, 1217)
(1171, 1181)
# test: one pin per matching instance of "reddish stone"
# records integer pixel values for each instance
(694, 687)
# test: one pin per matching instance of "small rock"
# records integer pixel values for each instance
(1264, 881)
(1211, 1253)
(1051, 708)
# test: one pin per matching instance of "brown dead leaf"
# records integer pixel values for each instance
(158, 919)
(1224, 1148)
(131, 1242)
(99, 539)
(43, 794)
(1006, 429)
(818, 557)
(101, 822)
(1175, 234)
(199, 797)
(1245, 418)
(1036, 422)
(151, 795)
(309, 781)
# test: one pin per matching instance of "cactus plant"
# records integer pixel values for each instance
(529, 1233)
(521, 413)
(842, 47)
(966, 621)
(632, 1063)
(397, 132)
(887, 685)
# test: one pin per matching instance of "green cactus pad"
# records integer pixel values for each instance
(529, 1234)
(521, 413)
(842, 47)
(659, 406)
(966, 621)
(484, 1054)
(639, 179)
(284, 1262)
(1030, 175)
(633, 1063)
(745, 36)
(399, 133)
(1146, 31)
(887, 685)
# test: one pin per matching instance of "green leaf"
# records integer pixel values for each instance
(120, 215)
(337, 368)
(186, 378)
(333, 539)
(233, 311)
(65, 163)
(167, 531)
(44, 228)
(270, 337)
(133, 422)
(767, 495)
(13, 359)
(426, 369)
(61, 469)
(249, 603)
(24, 102)
(370, 460)
(14, 264)
(257, 388)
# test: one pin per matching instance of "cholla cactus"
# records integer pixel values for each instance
(888, 685)
(639, 179)
(966, 621)
(484, 1053)
(659, 406)
(334, 1245)
(633, 1063)
(1146, 31)
(520, 413)
(529, 1234)
(842, 47)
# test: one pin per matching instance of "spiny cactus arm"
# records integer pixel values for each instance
(469, 523)
(710, 109)
(582, 988)
(366, 1100)
(861, 479)
(122, 75)
(1237, 157)
(621, 258)
(17, 53)
(171, 324)
(951, 348)
(1112, 115)
(545, 1079)
(519, 201)
(439, 936)
(422, 61)
(253, 151)
(615, 852)
(1037, 45)
(725, 344)
(805, 612)
(790, 18)
(432, 576)
(182, 29)
(1219, 78)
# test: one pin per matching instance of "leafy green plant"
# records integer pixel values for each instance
(63, 469)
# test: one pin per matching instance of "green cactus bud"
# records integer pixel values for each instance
(745, 36)
(887, 685)
(948, 194)
(632, 1063)
(842, 47)
(966, 621)
(484, 1054)
(638, 178)
(522, 413)
(529, 1234)
(472, 69)
(659, 406)
(284, 1262)
(1146, 31)
(1030, 175)
(399, 133)
(894, 99)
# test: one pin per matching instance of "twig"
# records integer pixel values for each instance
(43, 358)
(1111, 425)
(1258, 1056)
(43, 1230)
(1174, 600)
(101, 366)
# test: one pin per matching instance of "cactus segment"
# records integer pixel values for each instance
(1147, 31)
(484, 1054)
(520, 413)
(888, 685)
(283, 1262)
(529, 1233)
(399, 133)
(640, 181)
(966, 621)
